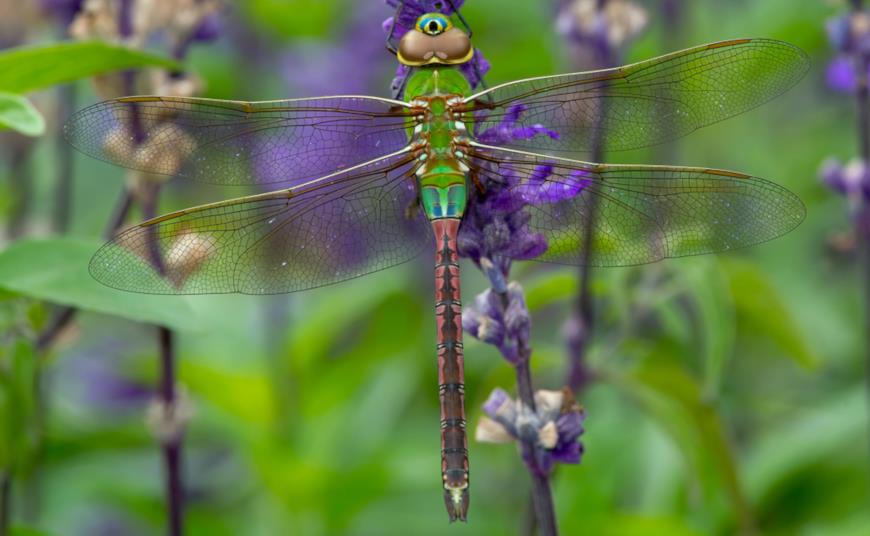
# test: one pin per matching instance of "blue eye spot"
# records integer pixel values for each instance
(433, 24)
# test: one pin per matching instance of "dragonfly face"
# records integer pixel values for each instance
(434, 40)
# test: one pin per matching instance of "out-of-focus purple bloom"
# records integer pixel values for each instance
(353, 66)
(555, 426)
(838, 32)
(507, 130)
(850, 180)
(209, 29)
(614, 24)
(840, 75)
(63, 10)
(101, 383)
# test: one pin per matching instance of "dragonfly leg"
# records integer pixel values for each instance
(390, 47)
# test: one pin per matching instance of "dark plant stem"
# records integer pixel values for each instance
(862, 222)
(580, 324)
(5, 502)
(172, 446)
(62, 317)
(542, 496)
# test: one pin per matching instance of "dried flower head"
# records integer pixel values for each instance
(555, 426)
(167, 422)
(616, 23)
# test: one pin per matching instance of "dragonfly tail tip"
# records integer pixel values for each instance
(457, 504)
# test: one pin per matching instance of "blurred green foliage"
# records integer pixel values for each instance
(728, 394)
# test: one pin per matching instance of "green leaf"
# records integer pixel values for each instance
(761, 311)
(30, 68)
(56, 270)
(17, 113)
(676, 401)
(20, 432)
(26, 531)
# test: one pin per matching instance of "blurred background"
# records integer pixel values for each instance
(725, 394)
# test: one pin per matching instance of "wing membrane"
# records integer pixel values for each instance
(232, 142)
(330, 230)
(639, 214)
(637, 105)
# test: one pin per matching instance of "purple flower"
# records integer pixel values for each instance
(505, 327)
(587, 22)
(353, 66)
(496, 226)
(840, 74)
(507, 130)
(63, 10)
(838, 32)
(555, 426)
(850, 180)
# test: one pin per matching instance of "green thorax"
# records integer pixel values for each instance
(441, 181)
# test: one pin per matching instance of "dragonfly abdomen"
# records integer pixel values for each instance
(451, 378)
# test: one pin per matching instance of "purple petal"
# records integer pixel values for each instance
(838, 32)
(517, 320)
(496, 400)
(832, 175)
(840, 75)
(570, 425)
(569, 452)
(514, 112)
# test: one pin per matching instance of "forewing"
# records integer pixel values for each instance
(640, 104)
(230, 142)
(638, 214)
(344, 226)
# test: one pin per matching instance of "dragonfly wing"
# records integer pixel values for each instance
(343, 226)
(639, 214)
(230, 142)
(640, 104)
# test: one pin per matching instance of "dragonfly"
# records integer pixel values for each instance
(355, 184)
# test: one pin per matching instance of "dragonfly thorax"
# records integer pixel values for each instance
(439, 139)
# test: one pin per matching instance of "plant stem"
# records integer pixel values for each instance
(172, 447)
(862, 222)
(542, 496)
(5, 502)
(579, 326)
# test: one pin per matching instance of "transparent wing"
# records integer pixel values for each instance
(639, 214)
(353, 223)
(637, 105)
(230, 142)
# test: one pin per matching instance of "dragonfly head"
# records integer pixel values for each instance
(434, 40)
